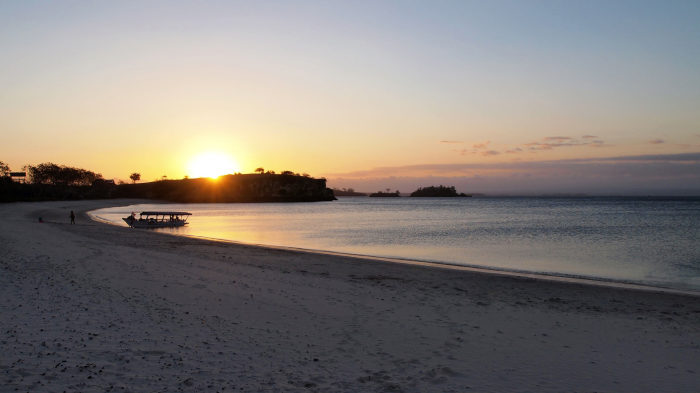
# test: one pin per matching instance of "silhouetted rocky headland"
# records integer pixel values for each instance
(266, 187)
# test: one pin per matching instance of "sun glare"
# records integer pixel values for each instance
(211, 165)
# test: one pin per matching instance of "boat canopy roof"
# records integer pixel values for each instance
(166, 214)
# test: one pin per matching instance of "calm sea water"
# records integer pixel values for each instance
(653, 241)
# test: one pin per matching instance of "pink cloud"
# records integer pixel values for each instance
(546, 143)
(558, 138)
(482, 145)
(478, 148)
(552, 142)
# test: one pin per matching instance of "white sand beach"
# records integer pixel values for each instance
(92, 307)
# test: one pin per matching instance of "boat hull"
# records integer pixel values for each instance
(153, 224)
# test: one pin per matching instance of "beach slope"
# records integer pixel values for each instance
(92, 307)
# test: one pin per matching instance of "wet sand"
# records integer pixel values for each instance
(92, 307)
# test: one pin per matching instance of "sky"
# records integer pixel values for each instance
(507, 97)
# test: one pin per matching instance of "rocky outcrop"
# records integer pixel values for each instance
(265, 187)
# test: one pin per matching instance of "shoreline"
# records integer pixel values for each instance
(556, 277)
(97, 307)
(551, 277)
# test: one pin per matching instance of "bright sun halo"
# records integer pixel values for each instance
(212, 165)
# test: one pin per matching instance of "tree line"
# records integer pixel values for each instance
(59, 175)
(49, 173)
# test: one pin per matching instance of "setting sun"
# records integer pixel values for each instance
(212, 164)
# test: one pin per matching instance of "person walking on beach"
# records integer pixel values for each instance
(72, 217)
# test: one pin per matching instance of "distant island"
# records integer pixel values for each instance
(347, 192)
(439, 191)
(53, 182)
(380, 194)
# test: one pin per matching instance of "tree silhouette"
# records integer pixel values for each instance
(49, 173)
(433, 191)
(4, 169)
(261, 170)
(135, 177)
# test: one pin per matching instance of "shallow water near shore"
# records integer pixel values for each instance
(651, 241)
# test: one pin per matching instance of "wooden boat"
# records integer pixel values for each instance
(156, 219)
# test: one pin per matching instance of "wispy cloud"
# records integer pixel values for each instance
(558, 138)
(689, 158)
(452, 142)
(546, 143)
(480, 148)
(553, 142)
(656, 141)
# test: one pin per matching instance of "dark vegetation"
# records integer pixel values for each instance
(53, 182)
(387, 194)
(61, 175)
(439, 191)
(4, 170)
(11, 191)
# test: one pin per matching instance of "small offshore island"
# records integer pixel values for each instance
(439, 191)
(431, 192)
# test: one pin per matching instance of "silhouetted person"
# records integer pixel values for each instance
(72, 217)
